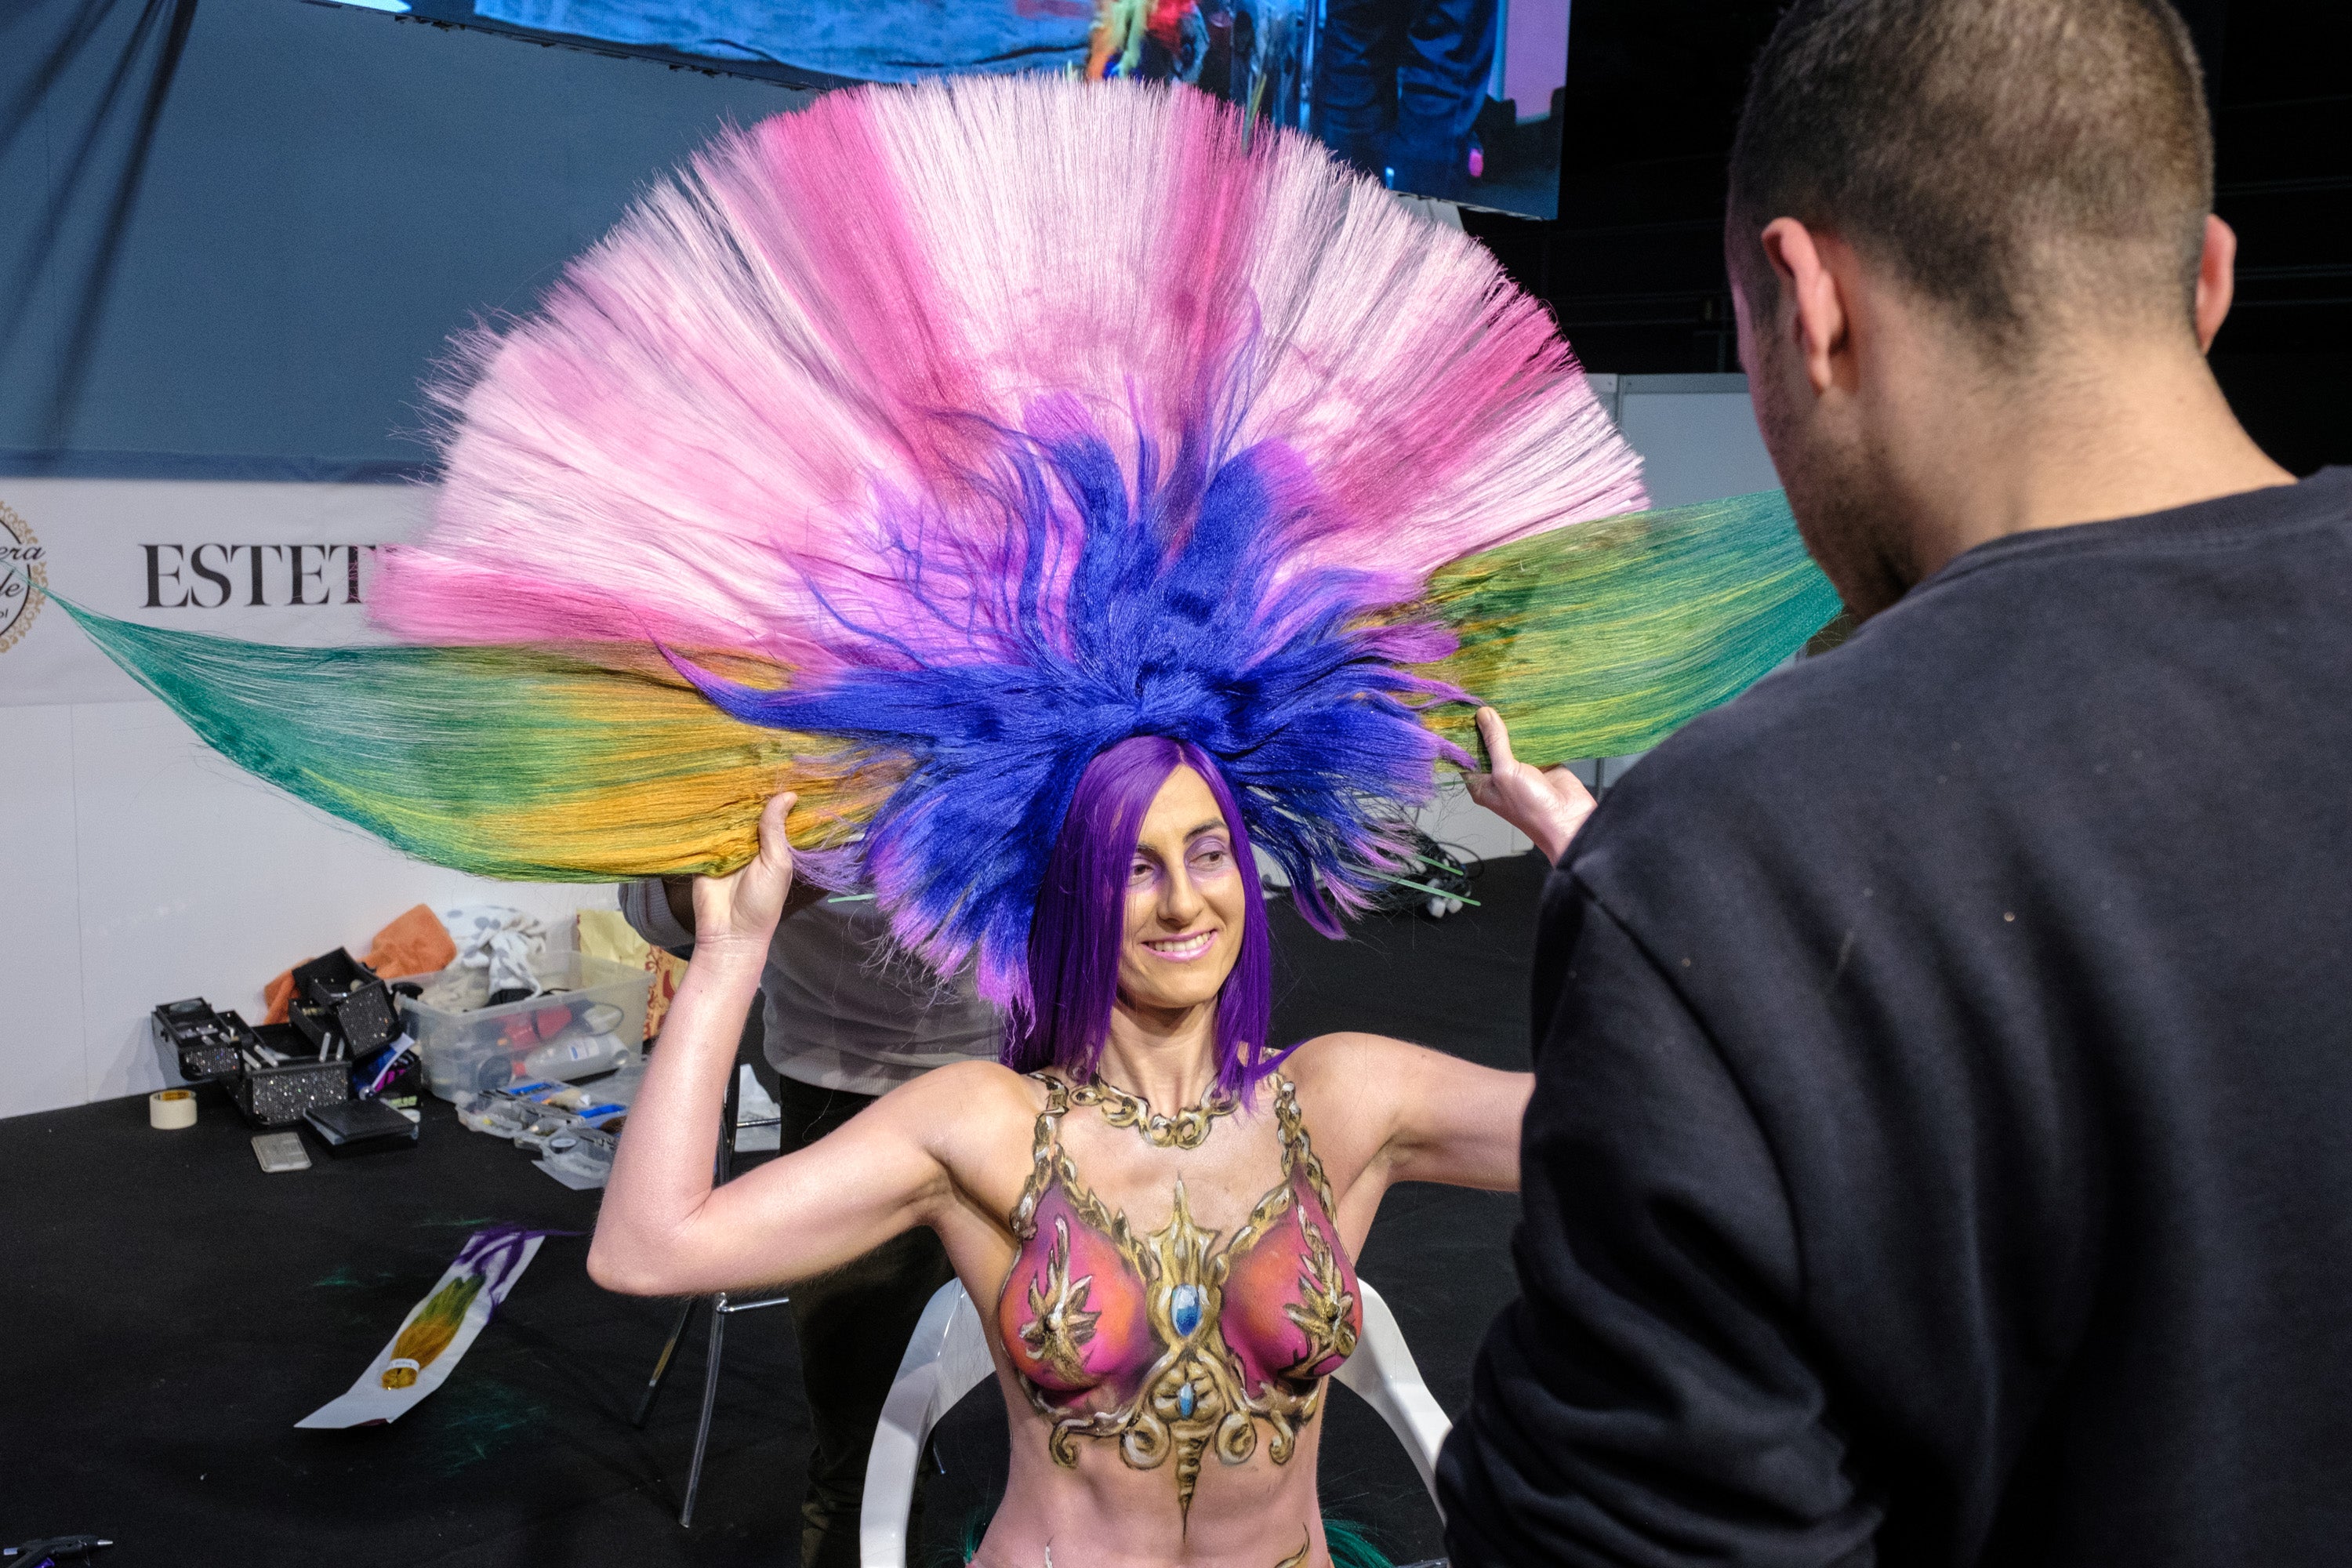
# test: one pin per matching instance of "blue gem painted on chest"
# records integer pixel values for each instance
(1185, 1402)
(1184, 1310)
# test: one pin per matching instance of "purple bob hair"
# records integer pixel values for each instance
(1081, 922)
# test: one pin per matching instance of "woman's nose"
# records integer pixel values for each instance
(1179, 900)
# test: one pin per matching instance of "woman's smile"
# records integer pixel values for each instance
(1185, 948)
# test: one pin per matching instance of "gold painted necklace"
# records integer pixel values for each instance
(1188, 1129)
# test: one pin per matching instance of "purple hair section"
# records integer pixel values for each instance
(1080, 923)
(1030, 613)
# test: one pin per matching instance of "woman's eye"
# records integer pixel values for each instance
(1211, 856)
(1138, 874)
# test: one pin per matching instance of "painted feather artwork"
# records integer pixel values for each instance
(908, 448)
(429, 1333)
(438, 1331)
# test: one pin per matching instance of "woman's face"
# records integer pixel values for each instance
(1186, 901)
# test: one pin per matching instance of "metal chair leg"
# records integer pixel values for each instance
(710, 1402)
(723, 1167)
(662, 1362)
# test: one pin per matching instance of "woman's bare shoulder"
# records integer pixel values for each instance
(1368, 1071)
(979, 1088)
(978, 1121)
(1337, 1057)
(965, 1112)
(1349, 1075)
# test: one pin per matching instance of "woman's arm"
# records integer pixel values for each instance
(1426, 1115)
(665, 1229)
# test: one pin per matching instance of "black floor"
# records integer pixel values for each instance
(167, 1312)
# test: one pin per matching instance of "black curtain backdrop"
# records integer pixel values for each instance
(103, 69)
(1634, 266)
(238, 235)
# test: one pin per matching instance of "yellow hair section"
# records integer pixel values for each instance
(587, 764)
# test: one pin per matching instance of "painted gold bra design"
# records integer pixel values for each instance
(1193, 1398)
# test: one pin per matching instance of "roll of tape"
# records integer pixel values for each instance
(172, 1108)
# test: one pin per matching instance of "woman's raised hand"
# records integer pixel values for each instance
(742, 908)
(1548, 804)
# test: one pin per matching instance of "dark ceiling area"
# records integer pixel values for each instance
(1634, 265)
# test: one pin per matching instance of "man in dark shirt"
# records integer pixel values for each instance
(1941, 1149)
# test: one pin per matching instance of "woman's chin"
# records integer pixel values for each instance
(1167, 998)
(1166, 985)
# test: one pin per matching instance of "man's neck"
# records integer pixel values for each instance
(2151, 432)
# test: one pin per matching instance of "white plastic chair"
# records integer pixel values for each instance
(949, 1354)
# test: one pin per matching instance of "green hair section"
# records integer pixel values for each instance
(1604, 638)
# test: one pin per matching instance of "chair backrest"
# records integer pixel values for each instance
(948, 1356)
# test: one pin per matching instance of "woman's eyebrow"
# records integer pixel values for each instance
(1215, 825)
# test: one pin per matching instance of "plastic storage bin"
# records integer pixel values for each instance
(589, 1020)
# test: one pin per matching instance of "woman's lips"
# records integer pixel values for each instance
(1182, 949)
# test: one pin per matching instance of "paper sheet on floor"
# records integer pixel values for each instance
(437, 1331)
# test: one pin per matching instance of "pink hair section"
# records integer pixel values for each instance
(709, 427)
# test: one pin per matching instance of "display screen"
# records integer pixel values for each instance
(1454, 99)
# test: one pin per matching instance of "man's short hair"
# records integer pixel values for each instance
(2018, 161)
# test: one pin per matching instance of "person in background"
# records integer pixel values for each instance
(848, 1017)
(1400, 84)
(1939, 1148)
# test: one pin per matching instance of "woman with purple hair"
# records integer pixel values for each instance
(1057, 496)
(1158, 1244)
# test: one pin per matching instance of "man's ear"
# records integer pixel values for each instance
(1813, 313)
(2216, 280)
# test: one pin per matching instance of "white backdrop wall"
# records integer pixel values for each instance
(1697, 434)
(139, 866)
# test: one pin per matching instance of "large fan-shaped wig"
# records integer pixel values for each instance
(911, 449)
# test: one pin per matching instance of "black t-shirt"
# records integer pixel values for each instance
(1941, 1149)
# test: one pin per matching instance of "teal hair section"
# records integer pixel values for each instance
(975, 1530)
(1604, 637)
(1351, 1546)
(505, 762)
